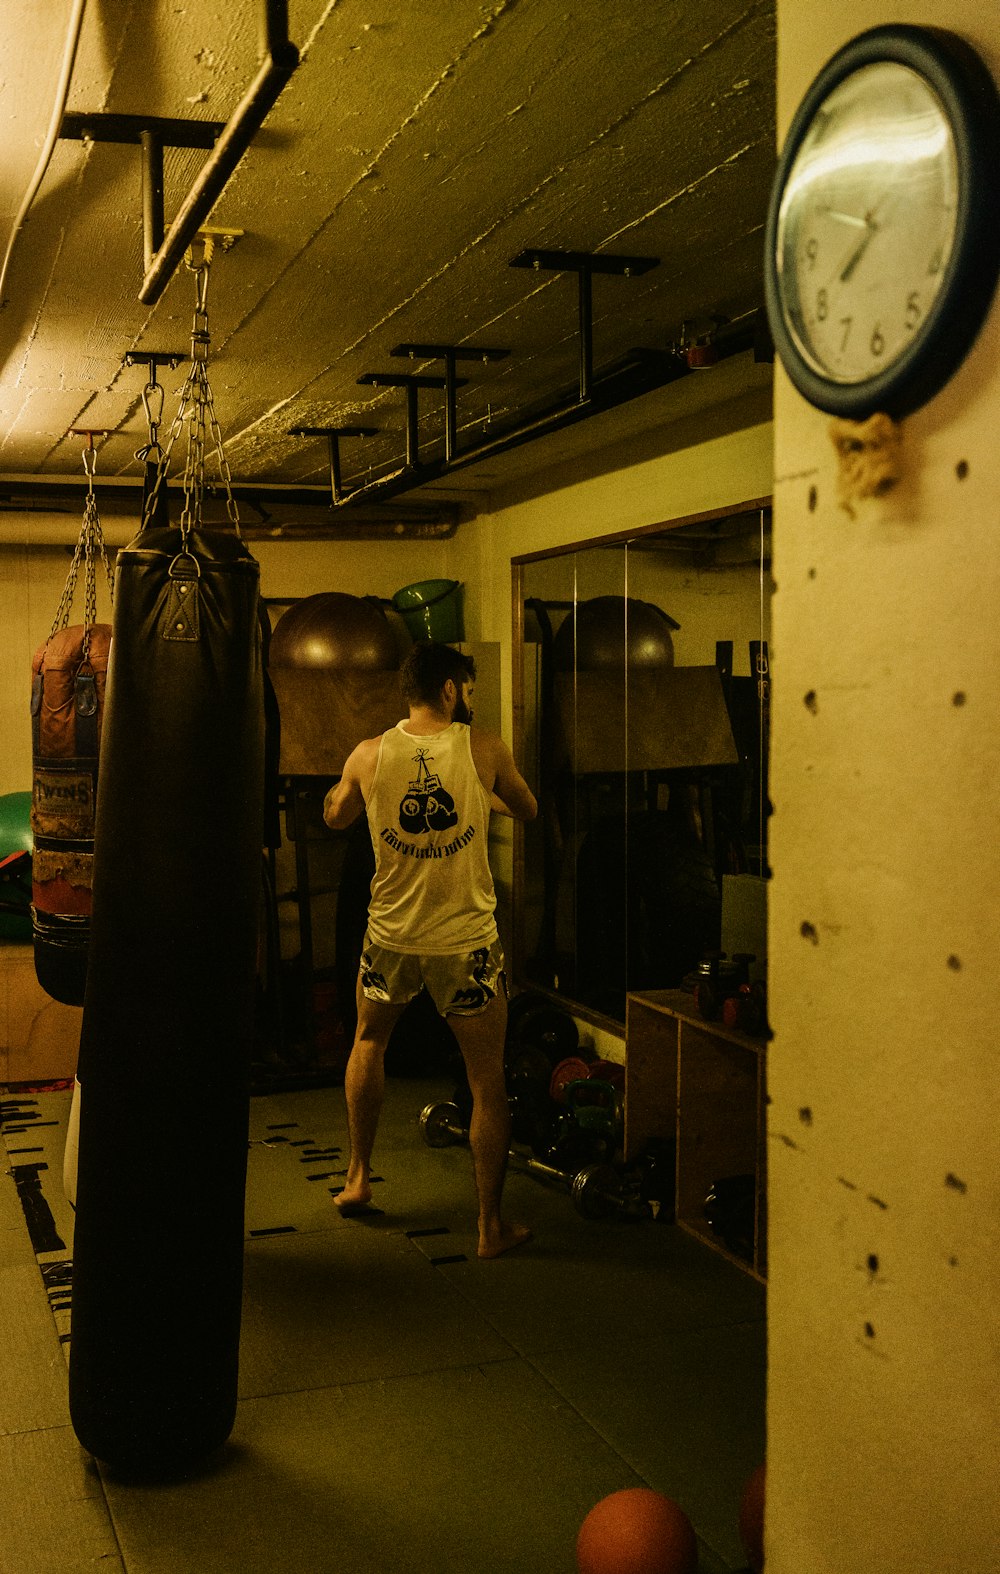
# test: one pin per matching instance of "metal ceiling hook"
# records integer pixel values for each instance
(90, 452)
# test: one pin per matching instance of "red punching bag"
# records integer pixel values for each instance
(68, 677)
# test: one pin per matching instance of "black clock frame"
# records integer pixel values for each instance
(972, 103)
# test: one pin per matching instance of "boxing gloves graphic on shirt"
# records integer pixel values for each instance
(427, 806)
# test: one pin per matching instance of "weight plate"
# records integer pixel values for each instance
(438, 1123)
(533, 1019)
(597, 1192)
(608, 1071)
(572, 1069)
(528, 1066)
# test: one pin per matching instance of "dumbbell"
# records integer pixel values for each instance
(597, 1190)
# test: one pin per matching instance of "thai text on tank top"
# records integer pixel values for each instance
(429, 816)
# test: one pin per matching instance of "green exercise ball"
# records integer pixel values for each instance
(16, 837)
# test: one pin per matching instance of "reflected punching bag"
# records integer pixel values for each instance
(168, 1015)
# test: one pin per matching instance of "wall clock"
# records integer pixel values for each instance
(883, 233)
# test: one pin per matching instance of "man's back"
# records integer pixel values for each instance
(428, 811)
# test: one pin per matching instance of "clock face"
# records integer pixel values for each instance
(867, 222)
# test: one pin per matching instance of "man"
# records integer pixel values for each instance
(428, 785)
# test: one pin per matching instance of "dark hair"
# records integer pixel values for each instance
(427, 668)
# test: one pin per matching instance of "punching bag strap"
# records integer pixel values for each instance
(180, 616)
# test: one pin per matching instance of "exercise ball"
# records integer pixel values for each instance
(334, 631)
(752, 1520)
(637, 1531)
(16, 837)
(605, 627)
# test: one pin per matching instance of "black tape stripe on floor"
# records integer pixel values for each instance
(282, 1125)
(37, 1213)
(276, 1229)
(321, 1175)
(439, 1262)
(13, 1151)
(416, 1235)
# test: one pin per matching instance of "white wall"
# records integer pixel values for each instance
(884, 1183)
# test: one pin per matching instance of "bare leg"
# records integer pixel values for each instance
(481, 1040)
(364, 1087)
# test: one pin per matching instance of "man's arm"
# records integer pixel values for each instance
(346, 798)
(508, 790)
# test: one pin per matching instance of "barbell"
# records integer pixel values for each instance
(597, 1190)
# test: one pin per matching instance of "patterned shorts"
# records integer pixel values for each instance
(459, 985)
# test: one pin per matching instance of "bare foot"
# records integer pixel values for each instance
(503, 1239)
(354, 1199)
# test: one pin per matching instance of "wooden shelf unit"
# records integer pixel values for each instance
(704, 1085)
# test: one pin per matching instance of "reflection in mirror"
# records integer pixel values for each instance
(644, 734)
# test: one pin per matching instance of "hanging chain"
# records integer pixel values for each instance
(152, 395)
(89, 543)
(197, 408)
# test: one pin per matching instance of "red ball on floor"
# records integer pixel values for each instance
(636, 1531)
(752, 1520)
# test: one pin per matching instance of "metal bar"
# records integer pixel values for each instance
(230, 148)
(273, 27)
(586, 334)
(333, 434)
(437, 352)
(450, 408)
(449, 354)
(412, 434)
(154, 358)
(335, 477)
(81, 126)
(152, 194)
(576, 261)
(399, 380)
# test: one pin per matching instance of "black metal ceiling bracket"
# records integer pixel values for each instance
(228, 143)
(280, 58)
(449, 354)
(151, 359)
(584, 264)
(152, 133)
(333, 434)
(412, 382)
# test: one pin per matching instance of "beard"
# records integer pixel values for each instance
(462, 711)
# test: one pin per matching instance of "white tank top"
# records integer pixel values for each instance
(429, 816)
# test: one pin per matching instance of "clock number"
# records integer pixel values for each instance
(912, 309)
(822, 306)
(845, 323)
(812, 250)
(877, 343)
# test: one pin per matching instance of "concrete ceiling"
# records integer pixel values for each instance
(415, 152)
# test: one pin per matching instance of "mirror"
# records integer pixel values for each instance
(642, 727)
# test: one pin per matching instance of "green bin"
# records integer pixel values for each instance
(432, 609)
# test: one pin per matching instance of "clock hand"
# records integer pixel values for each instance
(848, 218)
(871, 231)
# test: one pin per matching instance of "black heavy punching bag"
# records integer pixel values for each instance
(167, 1029)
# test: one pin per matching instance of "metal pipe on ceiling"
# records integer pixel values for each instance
(280, 60)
